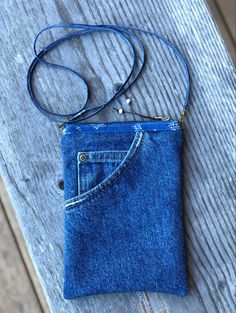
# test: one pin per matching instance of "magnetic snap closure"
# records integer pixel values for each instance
(83, 157)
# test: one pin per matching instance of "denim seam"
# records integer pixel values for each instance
(110, 183)
(105, 151)
(93, 156)
(101, 160)
(129, 126)
(78, 176)
(116, 131)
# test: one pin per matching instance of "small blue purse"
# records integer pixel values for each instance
(123, 216)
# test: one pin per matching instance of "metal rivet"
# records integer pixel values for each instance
(120, 111)
(83, 157)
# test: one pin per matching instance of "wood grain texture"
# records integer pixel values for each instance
(16, 292)
(224, 13)
(35, 291)
(228, 9)
(30, 149)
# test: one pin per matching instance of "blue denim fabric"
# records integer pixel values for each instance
(123, 208)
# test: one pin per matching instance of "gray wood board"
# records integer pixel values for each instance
(35, 290)
(30, 146)
(16, 292)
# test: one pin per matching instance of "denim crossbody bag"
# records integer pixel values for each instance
(123, 217)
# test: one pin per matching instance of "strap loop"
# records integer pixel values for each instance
(125, 33)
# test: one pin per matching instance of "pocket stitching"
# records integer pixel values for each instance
(93, 154)
(110, 180)
(94, 160)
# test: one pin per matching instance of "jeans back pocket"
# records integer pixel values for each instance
(95, 166)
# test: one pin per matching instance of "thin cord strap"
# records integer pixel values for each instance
(126, 34)
(39, 58)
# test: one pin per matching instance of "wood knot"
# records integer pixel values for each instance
(61, 184)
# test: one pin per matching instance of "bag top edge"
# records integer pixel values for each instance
(130, 126)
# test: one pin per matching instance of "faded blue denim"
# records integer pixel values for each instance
(123, 208)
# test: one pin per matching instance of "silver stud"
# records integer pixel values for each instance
(83, 157)
(120, 111)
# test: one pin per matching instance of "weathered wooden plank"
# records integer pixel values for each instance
(224, 15)
(228, 9)
(30, 153)
(16, 292)
(9, 218)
